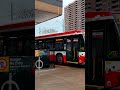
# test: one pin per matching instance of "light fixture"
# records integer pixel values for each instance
(13, 37)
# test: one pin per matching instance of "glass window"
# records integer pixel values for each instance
(59, 44)
(69, 45)
(113, 41)
(75, 43)
(115, 6)
(82, 43)
(45, 44)
(41, 45)
(49, 44)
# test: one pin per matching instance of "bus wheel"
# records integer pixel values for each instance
(59, 59)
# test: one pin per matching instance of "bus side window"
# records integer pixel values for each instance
(68, 45)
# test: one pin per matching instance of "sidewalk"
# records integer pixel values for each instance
(60, 78)
(100, 88)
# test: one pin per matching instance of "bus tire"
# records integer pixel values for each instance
(59, 59)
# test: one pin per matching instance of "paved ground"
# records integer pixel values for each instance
(60, 78)
(101, 88)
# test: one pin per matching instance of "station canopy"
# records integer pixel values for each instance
(47, 9)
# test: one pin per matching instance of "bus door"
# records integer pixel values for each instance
(72, 49)
(95, 53)
(69, 49)
(97, 56)
(75, 48)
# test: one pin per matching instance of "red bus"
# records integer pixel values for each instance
(102, 49)
(64, 47)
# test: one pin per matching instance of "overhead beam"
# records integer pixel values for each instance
(42, 6)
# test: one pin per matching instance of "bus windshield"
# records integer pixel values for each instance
(107, 31)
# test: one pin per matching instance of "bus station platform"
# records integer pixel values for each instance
(61, 77)
(100, 88)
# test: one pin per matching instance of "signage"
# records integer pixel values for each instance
(16, 73)
(52, 26)
(75, 40)
(47, 31)
(12, 64)
(59, 39)
(18, 64)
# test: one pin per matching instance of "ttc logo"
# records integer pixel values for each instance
(3, 64)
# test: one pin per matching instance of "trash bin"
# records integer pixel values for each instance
(46, 60)
(43, 54)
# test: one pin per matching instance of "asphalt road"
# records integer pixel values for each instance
(62, 77)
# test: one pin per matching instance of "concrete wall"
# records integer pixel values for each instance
(15, 11)
(55, 25)
(47, 9)
(54, 2)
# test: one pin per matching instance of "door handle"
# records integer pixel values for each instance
(93, 69)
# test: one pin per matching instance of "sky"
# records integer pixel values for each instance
(56, 24)
(66, 2)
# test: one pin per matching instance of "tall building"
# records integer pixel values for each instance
(102, 5)
(105, 5)
(75, 16)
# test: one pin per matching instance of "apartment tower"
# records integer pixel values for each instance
(75, 16)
